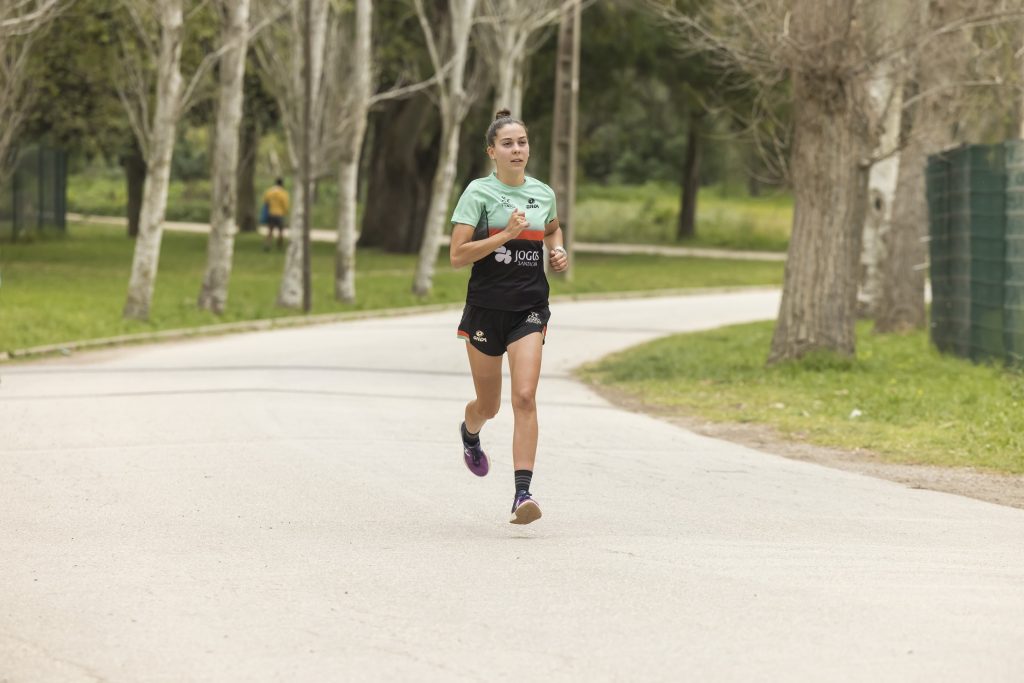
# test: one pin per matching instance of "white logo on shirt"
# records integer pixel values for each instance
(502, 255)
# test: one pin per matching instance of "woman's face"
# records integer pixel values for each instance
(511, 149)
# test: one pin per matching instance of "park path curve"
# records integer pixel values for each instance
(291, 505)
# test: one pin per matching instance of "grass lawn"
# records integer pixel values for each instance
(645, 214)
(73, 288)
(648, 214)
(900, 398)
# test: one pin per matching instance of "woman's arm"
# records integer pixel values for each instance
(464, 251)
(553, 240)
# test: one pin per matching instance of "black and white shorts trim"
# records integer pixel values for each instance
(490, 331)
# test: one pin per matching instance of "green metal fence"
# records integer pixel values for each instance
(1013, 294)
(976, 224)
(34, 198)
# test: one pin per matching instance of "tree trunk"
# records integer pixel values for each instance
(901, 306)
(832, 141)
(888, 23)
(400, 175)
(135, 177)
(939, 67)
(753, 185)
(158, 165)
(249, 146)
(454, 105)
(437, 214)
(213, 295)
(345, 254)
(565, 126)
(886, 93)
(348, 174)
(691, 181)
(290, 292)
(509, 90)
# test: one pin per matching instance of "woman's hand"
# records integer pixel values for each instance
(559, 259)
(516, 224)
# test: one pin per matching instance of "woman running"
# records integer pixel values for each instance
(501, 225)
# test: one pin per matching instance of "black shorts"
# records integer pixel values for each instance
(491, 331)
(275, 222)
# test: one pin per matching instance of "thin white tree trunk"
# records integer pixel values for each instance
(564, 126)
(15, 98)
(345, 256)
(509, 90)
(158, 163)
(289, 294)
(886, 92)
(889, 23)
(348, 172)
(19, 24)
(214, 293)
(507, 27)
(453, 110)
(938, 68)
(444, 180)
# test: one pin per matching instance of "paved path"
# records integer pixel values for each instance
(291, 506)
(321, 235)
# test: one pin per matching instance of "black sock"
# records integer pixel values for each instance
(523, 478)
(471, 439)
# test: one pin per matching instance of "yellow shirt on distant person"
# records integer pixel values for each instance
(276, 199)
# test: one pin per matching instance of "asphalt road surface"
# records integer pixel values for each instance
(292, 506)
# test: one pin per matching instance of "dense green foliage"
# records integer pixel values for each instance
(636, 95)
(899, 398)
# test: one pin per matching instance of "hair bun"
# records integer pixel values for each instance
(502, 114)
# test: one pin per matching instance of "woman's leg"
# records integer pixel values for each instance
(487, 380)
(524, 356)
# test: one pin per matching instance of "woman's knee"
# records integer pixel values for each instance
(524, 401)
(487, 409)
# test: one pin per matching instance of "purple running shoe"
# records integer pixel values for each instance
(524, 508)
(476, 459)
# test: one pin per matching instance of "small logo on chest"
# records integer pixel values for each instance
(531, 203)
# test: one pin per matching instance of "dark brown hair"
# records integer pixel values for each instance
(502, 118)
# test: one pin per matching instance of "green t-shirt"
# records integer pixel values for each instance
(512, 277)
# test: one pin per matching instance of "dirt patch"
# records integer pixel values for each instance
(1002, 489)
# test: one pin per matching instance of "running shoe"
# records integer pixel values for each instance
(524, 508)
(476, 459)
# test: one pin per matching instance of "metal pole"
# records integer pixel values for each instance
(305, 173)
(40, 191)
(564, 125)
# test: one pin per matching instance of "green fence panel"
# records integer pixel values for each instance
(958, 254)
(33, 200)
(1013, 296)
(987, 250)
(937, 179)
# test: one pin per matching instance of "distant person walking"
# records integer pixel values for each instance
(501, 225)
(275, 201)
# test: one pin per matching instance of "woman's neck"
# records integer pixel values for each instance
(512, 178)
